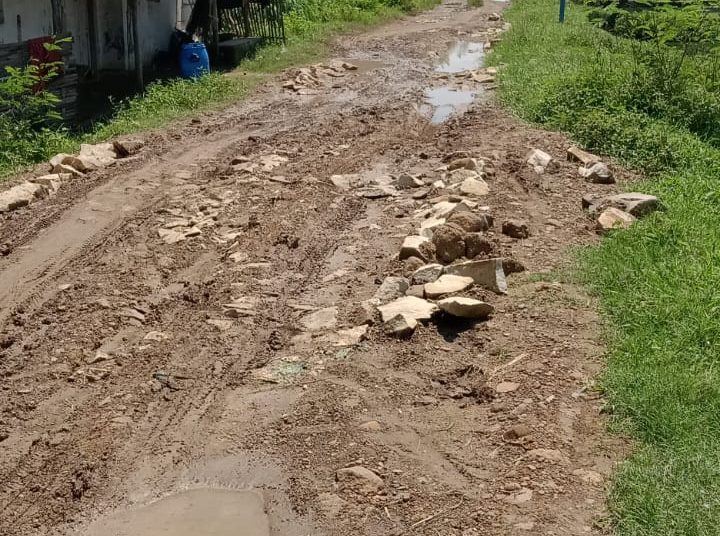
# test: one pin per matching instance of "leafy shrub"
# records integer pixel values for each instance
(28, 113)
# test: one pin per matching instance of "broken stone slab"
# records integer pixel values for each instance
(465, 163)
(634, 203)
(407, 181)
(539, 160)
(445, 208)
(486, 273)
(51, 182)
(171, 236)
(392, 287)
(132, 313)
(96, 156)
(401, 326)
(323, 319)
(417, 308)
(598, 173)
(59, 161)
(20, 196)
(474, 187)
(614, 218)
(412, 247)
(466, 308)
(447, 284)
(416, 290)
(360, 479)
(68, 170)
(576, 154)
(125, 148)
(192, 231)
(515, 229)
(349, 336)
(427, 274)
(428, 226)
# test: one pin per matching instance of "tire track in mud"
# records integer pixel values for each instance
(160, 426)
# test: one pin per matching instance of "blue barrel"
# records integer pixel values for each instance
(194, 60)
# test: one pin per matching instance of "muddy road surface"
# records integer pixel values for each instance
(186, 339)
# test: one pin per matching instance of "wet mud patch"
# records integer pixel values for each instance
(210, 512)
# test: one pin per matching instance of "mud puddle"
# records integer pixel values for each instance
(363, 65)
(443, 102)
(210, 512)
(463, 56)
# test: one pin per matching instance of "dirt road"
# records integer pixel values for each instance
(176, 325)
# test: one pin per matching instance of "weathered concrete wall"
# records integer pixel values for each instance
(35, 20)
(113, 38)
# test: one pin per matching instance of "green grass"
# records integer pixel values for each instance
(659, 282)
(309, 27)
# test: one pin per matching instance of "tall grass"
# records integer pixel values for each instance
(660, 280)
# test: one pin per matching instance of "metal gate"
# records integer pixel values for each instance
(254, 18)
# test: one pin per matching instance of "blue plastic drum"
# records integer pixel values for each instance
(194, 60)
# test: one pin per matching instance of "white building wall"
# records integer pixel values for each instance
(113, 38)
(35, 20)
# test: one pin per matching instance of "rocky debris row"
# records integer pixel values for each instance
(451, 252)
(612, 211)
(308, 80)
(63, 167)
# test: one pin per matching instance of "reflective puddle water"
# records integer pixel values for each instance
(463, 56)
(444, 102)
(447, 101)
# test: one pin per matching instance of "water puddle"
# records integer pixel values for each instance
(206, 512)
(364, 66)
(463, 56)
(446, 101)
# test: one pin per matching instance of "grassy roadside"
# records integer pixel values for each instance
(309, 25)
(658, 281)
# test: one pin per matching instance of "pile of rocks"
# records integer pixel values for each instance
(615, 211)
(64, 167)
(451, 251)
(308, 80)
(619, 211)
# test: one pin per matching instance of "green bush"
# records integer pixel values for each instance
(29, 120)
